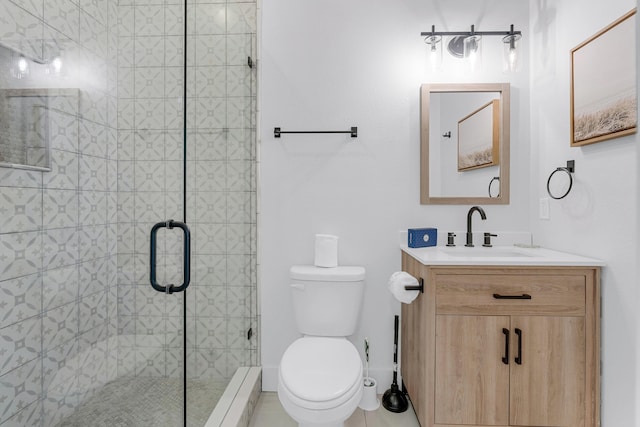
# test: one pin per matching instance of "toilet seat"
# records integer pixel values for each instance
(320, 372)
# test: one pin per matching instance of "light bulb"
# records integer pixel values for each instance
(473, 52)
(55, 66)
(510, 60)
(20, 68)
(433, 57)
(513, 57)
(23, 65)
(473, 58)
(435, 52)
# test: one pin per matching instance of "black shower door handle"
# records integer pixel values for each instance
(169, 289)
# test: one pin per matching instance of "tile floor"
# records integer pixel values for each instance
(269, 413)
(146, 401)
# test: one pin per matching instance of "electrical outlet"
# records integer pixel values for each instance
(544, 208)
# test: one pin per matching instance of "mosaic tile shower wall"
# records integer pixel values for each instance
(221, 183)
(58, 229)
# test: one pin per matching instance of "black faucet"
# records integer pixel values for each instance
(469, 232)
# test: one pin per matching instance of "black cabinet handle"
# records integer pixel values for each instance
(505, 359)
(519, 356)
(523, 296)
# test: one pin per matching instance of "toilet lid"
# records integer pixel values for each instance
(320, 368)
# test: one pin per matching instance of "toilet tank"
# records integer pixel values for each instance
(327, 301)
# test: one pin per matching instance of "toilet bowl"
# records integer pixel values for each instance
(320, 381)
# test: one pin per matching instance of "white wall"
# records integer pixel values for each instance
(331, 65)
(599, 218)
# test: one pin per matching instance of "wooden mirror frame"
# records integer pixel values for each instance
(425, 91)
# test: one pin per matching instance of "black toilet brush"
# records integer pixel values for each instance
(394, 399)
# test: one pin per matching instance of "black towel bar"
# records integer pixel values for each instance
(353, 131)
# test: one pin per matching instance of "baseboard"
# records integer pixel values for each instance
(269, 378)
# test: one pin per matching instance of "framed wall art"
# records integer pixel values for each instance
(479, 138)
(604, 99)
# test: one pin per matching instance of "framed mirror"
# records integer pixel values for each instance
(464, 144)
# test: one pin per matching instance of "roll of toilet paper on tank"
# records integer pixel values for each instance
(326, 250)
(397, 283)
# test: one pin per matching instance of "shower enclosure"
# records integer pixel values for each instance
(104, 133)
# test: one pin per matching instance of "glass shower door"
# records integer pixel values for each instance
(153, 235)
(206, 179)
(221, 200)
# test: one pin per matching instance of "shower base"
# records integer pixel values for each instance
(147, 402)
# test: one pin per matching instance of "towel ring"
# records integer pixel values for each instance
(569, 169)
(495, 178)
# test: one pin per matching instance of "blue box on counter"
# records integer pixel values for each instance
(422, 237)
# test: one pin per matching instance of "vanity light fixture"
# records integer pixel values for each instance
(468, 45)
(21, 64)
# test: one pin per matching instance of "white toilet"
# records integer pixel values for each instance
(320, 381)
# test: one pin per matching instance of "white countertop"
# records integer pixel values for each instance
(497, 256)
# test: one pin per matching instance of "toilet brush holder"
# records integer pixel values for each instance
(369, 401)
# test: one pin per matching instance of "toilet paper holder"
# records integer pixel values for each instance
(420, 286)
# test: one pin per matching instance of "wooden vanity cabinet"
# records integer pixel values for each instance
(503, 346)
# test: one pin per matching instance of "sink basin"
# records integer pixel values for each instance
(482, 252)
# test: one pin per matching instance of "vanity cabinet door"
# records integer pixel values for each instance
(472, 379)
(548, 380)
